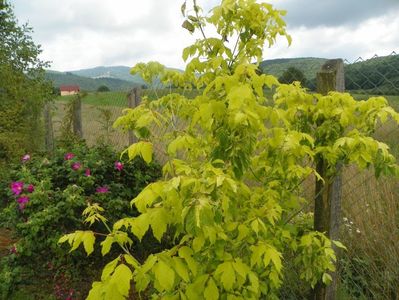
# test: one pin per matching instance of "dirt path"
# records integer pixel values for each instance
(5, 241)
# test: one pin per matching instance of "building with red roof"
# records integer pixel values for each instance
(69, 90)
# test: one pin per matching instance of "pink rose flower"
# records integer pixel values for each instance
(69, 156)
(14, 250)
(16, 187)
(30, 188)
(22, 201)
(118, 165)
(102, 190)
(25, 158)
(76, 166)
(87, 172)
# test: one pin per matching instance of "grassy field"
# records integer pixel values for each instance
(120, 98)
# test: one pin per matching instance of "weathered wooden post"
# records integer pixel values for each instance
(48, 128)
(133, 100)
(77, 116)
(327, 211)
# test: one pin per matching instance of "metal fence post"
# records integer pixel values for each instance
(327, 211)
(133, 100)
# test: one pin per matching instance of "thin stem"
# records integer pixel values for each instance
(234, 50)
(200, 26)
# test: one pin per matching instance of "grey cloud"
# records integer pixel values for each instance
(52, 18)
(331, 13)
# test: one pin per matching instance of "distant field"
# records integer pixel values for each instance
(120, 98)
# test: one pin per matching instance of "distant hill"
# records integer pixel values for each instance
(117, 72)
(378, 75)
(308, 65)
(88, 84)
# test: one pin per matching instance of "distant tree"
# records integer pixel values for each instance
(56, 91)
(293, 74)
(24, 89)
(103, 88)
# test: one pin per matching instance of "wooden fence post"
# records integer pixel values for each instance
(327, 211)
(48, 128)
(133, 100)
(77, 116)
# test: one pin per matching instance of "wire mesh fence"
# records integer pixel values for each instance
(370, 206)
(369, 269)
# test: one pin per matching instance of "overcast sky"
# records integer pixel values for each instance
(76, 34)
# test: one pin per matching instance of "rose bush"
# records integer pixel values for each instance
(45, 199)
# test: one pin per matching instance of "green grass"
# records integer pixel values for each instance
(103, 99)
(120, 98)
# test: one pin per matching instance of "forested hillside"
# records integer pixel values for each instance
(378, 75)
(117, 72)
(86, 83)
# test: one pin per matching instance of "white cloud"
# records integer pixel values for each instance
(78, 34)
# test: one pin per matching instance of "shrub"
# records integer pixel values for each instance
(46, 197)
(103, 88)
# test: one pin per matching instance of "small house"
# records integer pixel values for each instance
(69, 90)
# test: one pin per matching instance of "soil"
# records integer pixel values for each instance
(5, 241)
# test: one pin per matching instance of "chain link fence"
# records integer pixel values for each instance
(369, 269)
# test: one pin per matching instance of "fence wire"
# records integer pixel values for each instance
(369, 269)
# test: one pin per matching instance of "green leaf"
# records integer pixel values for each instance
(198, 243)
(181, 269)
(77, 239)
(228, 277)
(64, 238)
(183, 9)
(140, 225)
(327, 279)
(211, 291)
(121, 279)
(88, 241)
(96, 292)
(106, 244)
(159, 222)
(109, 269)
(275, 256)
(145, 149)
(146, 152)
(187, 25)
(339, 245)
(165, 275)
(131, 261)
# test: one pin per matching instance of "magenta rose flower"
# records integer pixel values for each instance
(30, 188)
(14, 250)
(22, 201)
(16, 187)
(118, 165)
(25, 158)
(76, 166)
(69, 156)
(102, 190)
(87, 172)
